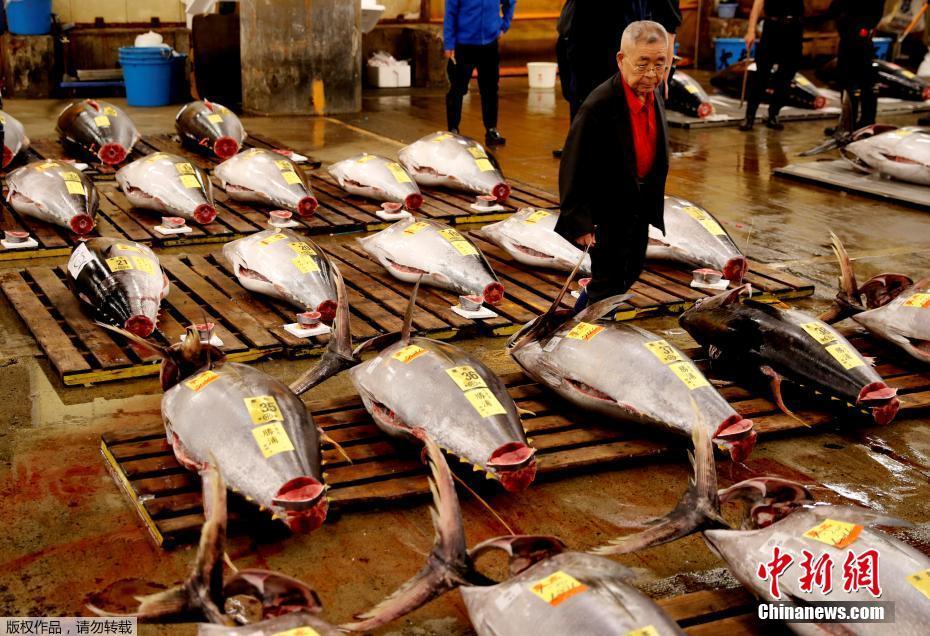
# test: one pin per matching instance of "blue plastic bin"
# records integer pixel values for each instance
(729, 51)
(29, 17)
(882, 47)
(147, 73)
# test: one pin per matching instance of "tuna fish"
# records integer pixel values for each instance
(411, 249)
(14, 137)
(99, 129)
(550, 590)
(895, 309)
(377, 178)
(267, 177)
(529, 237)
(801, 94)
(286, 266)
(626, 373)
(211, 128)
(846, 536)
(120, 282)
(695, 238)
(686, 95)
(786, 343)
(893, 81)
(169, 183)
(54, 192)
(453, 161)
(901, 153)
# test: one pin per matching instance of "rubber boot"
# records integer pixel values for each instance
(751, 108)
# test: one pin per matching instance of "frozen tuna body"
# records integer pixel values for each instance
(453, 161)
(54, 192)
(377, 178)
(14, 137)
(902, 153)
(269, 178)
(211, 128)
(529, 237)
(687, 96)
(169, 183)
(99, 129)
(120, 282)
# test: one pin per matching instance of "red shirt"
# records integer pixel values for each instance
(643, 124)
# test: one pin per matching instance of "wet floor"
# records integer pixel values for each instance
(67, 533)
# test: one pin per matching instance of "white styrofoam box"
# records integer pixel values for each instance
(393, 76)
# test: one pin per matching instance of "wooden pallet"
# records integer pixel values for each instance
(167, 498)
(713, 612)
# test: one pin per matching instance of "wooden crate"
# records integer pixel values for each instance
(167, 497)
(712, 612)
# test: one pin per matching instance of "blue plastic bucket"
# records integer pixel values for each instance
(729, 51)
(882, 48)
(29, 17)
(147, 73)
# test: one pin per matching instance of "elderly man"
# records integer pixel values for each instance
(613, 171)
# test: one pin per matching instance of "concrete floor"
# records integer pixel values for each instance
(66, 532)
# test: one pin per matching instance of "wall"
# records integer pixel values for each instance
(394, 9)
(114, 11)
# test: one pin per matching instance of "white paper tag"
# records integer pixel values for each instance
(296, 329)
(478, 314)
(507, 597)
(161, 229)
(552, 344)
(28, 243)
(80, 257)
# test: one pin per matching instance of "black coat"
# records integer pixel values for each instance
(598, 184)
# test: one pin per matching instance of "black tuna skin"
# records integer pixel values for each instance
(892, 80)
(693, 102)
(800, 95)
(98, 129)
(210, 128)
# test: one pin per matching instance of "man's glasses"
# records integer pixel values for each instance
(645, 69)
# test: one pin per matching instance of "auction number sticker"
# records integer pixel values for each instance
(484, 165)
(102, 120)
(400, 175)
(290, 177)
(215, 118)
(70, 176)
(416, 228)
(466, 377)
(536, 217)
(459, 242)
(476, 390)
(688, 374)
(263, 409)
(190, 181)
(272, 439)
(584, 331)
(408, 353)
(198, 382)
(557, 588)
(442, 137)
(648, 630)
(921, 581)
(76, 187)
(127, 248)
(305, 264)
(366, 158)
(274, 238)
(839, 534)
(691, 88)
(665, 352)
(844, 355)
(819, 332)
(298, 631)
(119, 264)
(710, 224)
(184, 168)
(109, 110)
(302, 249)
(920, 300)
(143, 264)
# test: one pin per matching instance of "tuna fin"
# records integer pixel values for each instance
(770, 499)
(526, 412)
(447, 565)
(408, 316)
(326, 438)
(699, 509)
(602, 308)
(139, 340)
(775, 383)
(848, 298)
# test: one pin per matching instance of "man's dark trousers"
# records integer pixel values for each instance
(617, 258)
(781, 44)
(468, 57)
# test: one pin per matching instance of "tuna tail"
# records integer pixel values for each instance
(770, 499)
(698, 510)
(408, 315)
(447, 566)
(139, 340)
(831, 144)
(545, 323)
(848, 297)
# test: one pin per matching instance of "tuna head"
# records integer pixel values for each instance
(411, 249)
(210, 127)
(377, 178)
(55, 192)
(902, 153)
(14, 138)
(688, 96)
(468, 410)
(284, 265)
(710, 319)
(99, 129)
(264, 176)
(454, 161)
(169, 183)
(120, 282)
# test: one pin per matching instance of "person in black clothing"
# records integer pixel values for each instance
(780, 48)
(856, 21)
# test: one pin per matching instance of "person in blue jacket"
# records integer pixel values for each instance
(471, 30)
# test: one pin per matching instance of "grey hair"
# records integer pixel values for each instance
(643, 32)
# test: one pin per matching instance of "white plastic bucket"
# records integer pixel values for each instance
(542, 74)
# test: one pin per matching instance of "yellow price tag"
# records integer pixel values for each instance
(272, 439)
(190, 181)
(819, 332)
(705, 219)
(844, 355)
(557, 588)
(691, 88)
(102, 120)
(127, 248)
(484, 165)
(2, 119)
(408, 353)
(263, 409)
(803, 81)
(366, 158)
(70, 176)
(584, 331)
(536, 217)
(665, 352)
(274, 238)
(47, 165)
(921, 301)
(283, 164)
(75, 187)
(464, 247)
(689, 375)
(197, 383)
(118, 264)
(290, 177)
(302, 248)
(485, 402)
(477, 152)
(839, 534)
(466, 377)
(305, 264)
(109, 110)
(400, 175)
(906, 73)
(648, 630)
(442, 137)
(215, 118)
(452, 235)
(417, 227)
(921, 580)
(184, 168)
(298, 631)
(143, 264)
